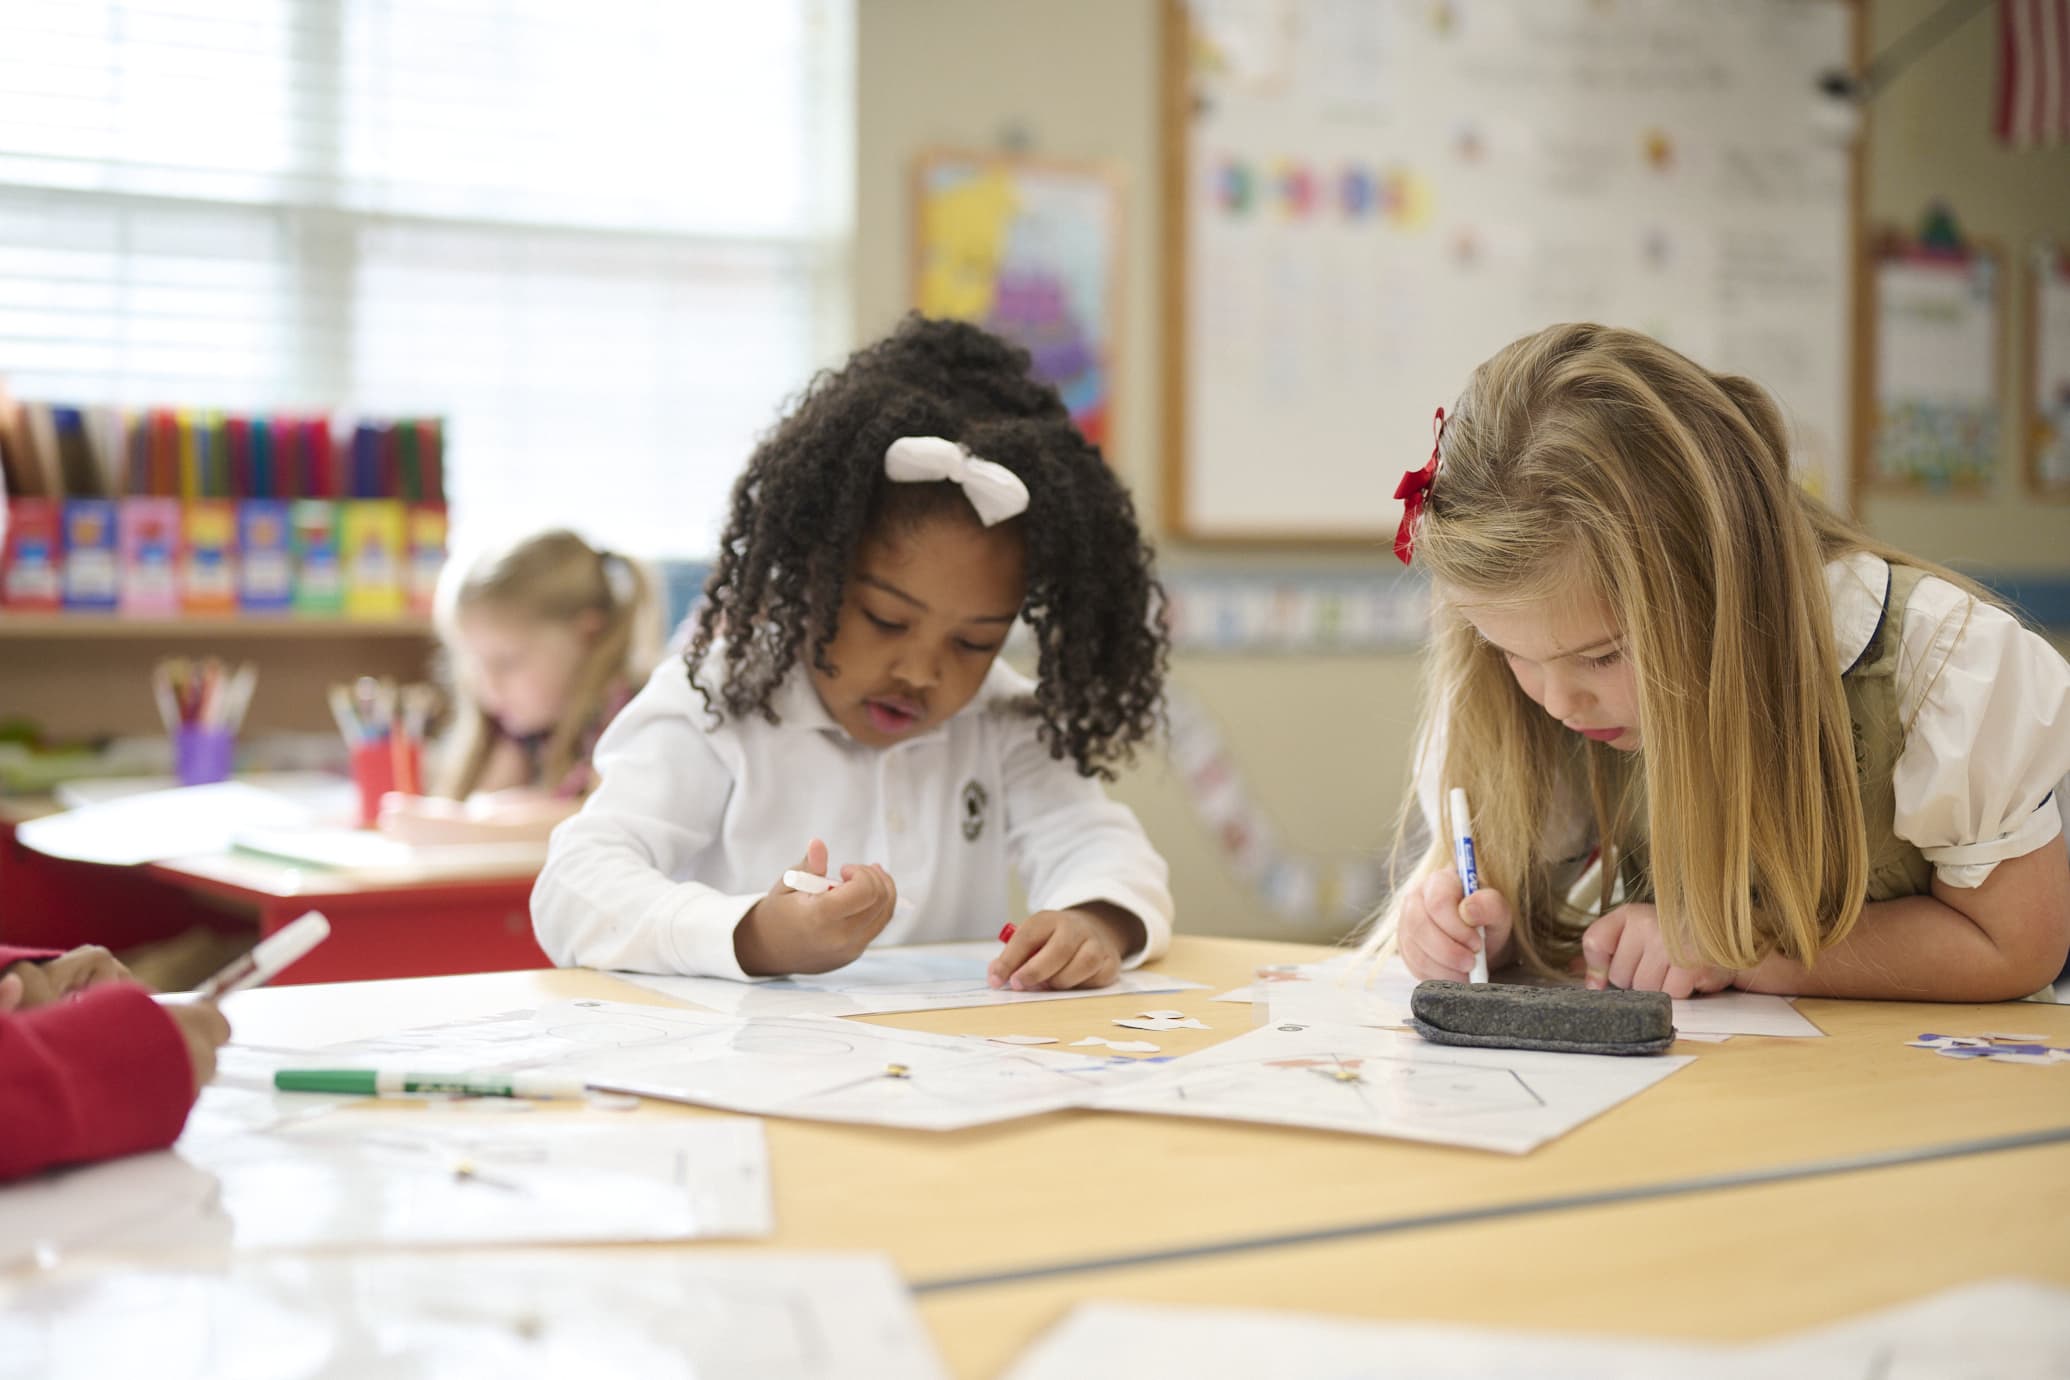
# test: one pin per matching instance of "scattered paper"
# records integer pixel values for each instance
(169, 824)
(2017, 1330)
(507, 1315)
(1125, 1046)
(1020, 1039)
(374, 857)
(1332, 997)
(1701, 1038)
(383, 1177)
(2003, 1049)
(815, 1067)
(1387, 1083)
(918, 977)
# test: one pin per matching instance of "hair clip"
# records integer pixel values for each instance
(1414, 492)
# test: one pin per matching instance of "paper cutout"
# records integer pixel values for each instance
(1125, 1046)
(1019, 1039)
(915, 977)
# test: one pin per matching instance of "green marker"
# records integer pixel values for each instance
(385, 1083)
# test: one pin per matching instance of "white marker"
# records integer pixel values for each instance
(810, 882)
(1469, 874)
(269, 959)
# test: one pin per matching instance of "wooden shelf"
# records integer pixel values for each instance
(76, 626)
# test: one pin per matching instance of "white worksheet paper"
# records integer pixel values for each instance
(2003, 1329)
(239, 1178)
(915, 977)
(506, 1315)
(1388, 1083)
(1333, 995)
(815, 1067)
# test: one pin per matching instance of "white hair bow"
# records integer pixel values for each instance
(994, 490)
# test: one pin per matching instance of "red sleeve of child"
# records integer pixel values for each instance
(9, 957)
(104, 1073)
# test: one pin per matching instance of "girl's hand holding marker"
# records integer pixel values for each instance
(812, 923)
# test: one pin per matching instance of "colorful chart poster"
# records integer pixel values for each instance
(1028, 249)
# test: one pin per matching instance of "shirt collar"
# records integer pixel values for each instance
(1855, 587)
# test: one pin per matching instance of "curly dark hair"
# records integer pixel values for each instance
(815, 488)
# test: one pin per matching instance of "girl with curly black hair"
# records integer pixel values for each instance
(843, 687)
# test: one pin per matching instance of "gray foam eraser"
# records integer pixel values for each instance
(1569, 1019)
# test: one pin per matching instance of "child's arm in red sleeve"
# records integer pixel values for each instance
(106, 1073)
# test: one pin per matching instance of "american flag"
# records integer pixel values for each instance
(2033, 72)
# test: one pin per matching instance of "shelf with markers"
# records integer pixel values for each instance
(166, 514)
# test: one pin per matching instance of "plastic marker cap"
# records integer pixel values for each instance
(809, 882)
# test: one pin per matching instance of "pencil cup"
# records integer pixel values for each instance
(202, 755)
(373, 771)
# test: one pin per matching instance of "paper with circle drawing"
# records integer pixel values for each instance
(2021, 1326)
(503, 1315)
(914, 977)
(1387, 1083)
(815, 1067)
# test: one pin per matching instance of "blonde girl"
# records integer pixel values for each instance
(546, 639)
(1788, 757)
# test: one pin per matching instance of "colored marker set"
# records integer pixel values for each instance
(179, 511)
(383, 725)
(203, 704)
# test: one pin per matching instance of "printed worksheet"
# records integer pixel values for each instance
(506, 1315)
(2007, 1329)
(1389, 1083)
(913, 977)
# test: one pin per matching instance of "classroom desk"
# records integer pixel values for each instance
(378, 929)
(1063, 1190)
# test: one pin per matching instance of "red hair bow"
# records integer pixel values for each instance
(1414, 492)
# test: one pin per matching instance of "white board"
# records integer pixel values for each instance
(1379, 194)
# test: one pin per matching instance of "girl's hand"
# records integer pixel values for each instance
(54, 979)
(203, 1028)
(796, 932)
(1056, 950)
(1440, 932)
(1625, 949)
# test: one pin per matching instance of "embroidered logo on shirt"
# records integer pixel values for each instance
(974, 802)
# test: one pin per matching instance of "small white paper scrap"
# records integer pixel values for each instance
(1021, 1039)
(1161, 1023)
(1125, 1046)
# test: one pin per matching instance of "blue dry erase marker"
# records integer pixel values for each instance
(1469, 874)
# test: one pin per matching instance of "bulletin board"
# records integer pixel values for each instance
(2047, 394)
(1934, 418)
(1029, 249)
(1366, 198)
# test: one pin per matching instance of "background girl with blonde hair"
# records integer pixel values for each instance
(547, 640)
(1795, 760)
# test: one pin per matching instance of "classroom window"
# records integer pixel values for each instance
(604, 240)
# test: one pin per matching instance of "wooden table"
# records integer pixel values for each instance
(1080, 1193)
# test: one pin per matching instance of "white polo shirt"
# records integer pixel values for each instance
(691, 824)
